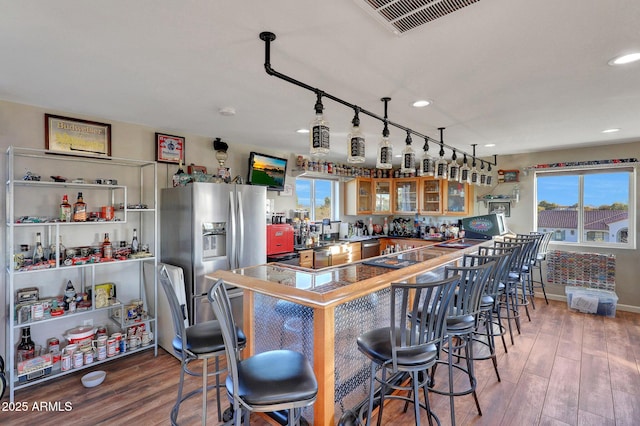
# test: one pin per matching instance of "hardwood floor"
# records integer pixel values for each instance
(566, 368)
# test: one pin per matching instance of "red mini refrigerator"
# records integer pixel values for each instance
(279, 239)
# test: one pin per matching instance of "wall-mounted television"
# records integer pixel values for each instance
(267, 170)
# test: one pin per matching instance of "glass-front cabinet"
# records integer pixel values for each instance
(382, 196)
(358, 196)
(405, 195)
(456, 198)
(430, 196)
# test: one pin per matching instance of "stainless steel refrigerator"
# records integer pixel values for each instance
(211, 226)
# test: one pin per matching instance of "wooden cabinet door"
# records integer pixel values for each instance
(430, 196)
(456, 198)
(382, 196)
(405, 195)
(358, 197)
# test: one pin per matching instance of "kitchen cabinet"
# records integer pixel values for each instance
(430, 198)
(358, 196)
(457, 198)
(32, 207)
(382, 196)
(306, 258)
(355, 251)
(405, 195)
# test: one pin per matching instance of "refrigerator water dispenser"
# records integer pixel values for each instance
(214, 240)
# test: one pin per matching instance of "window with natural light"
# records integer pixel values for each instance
(318, 196)
(590, 207)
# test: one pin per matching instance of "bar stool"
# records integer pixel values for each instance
(410, 345)
(537, 264)
(461, 324)
(265, 382)
(201, 341)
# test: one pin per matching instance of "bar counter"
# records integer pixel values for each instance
(321, 312)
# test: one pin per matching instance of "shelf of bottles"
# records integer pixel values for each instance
(74, 230)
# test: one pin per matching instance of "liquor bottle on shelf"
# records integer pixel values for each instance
(26, 347)
(107, 248)
(134, 242)
(65, 209)
(80, 209)
(178, 176)
(57, 248)
(38, 250)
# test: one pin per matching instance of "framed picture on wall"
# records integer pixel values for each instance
(500, 207)
(169, 148)
(73, 136)
(508, 175)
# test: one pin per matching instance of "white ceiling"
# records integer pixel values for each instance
(524, 75)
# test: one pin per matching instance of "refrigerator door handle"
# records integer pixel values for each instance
(232, 218)
(241, 229)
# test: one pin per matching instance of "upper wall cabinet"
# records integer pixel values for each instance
(358, 196)
(456, 198)
(382, 196)
(405, 195)
(430, 198)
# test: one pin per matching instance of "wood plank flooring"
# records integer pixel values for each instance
(566, 368)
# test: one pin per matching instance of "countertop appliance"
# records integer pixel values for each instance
(279, 239)
(370, 248)
(210, 226)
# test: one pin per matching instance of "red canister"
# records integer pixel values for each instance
(53, 344)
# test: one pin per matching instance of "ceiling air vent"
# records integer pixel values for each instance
(401, 16)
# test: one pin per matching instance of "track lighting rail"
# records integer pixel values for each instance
(268, 37)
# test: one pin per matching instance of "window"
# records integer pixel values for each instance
(592, 207)
(319, 197)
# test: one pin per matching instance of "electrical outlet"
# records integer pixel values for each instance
(88, 322)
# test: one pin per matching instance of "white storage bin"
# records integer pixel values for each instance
(592, 300)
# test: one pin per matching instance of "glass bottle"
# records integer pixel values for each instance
(454, 169)
(177, 177)
(408, 157)
(465, 171)
(427, 165)
(80, 209)
(26, 347)
(57, 248)
(134, 242)
(107, 248)
(319, 133)
(385, 150)
(38, 250)
(355, 141)
(440, 171)
(65, 209)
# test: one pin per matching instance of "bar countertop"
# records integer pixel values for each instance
(338, 284)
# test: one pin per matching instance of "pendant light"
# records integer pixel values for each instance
(319, 130)
(465, 170)
(427, 165)
(408, 157)
(454, 168)
(355, 141)
(489, 180)
(483, 175)
(385, 149)
(441, 164)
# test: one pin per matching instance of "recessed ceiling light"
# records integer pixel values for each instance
(227, 111)
(625, 59)
(302, 131)
(421, 103)
(490, 145)
(610, 130)
(398, 156)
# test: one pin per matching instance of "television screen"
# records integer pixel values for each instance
(267, 170)
(488, 225)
